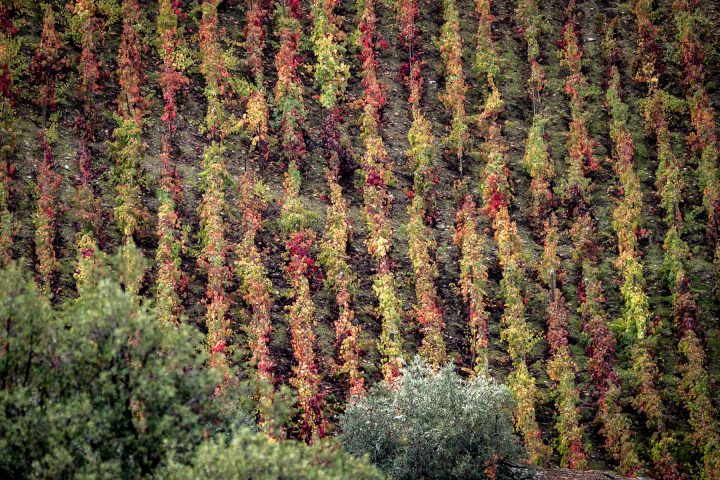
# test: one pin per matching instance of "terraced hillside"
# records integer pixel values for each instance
(527, 189)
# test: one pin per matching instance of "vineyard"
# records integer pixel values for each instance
(526, 190)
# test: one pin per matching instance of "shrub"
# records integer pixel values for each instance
(496, 194)
(540, 167)
(434, 425)
(253, 456)
(171, 244)
(529, 22)
(581, 158)
(47, 64)
(487, 62)
(627, 217)
(213, 257)
(689, 17)
(257, 113)
(648, 48)
(289, 105)
(86, 25)
(88, 29)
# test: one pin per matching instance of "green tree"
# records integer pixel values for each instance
(98, 388)
(434, 425)
(25, 365)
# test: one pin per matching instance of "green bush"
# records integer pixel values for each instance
(98, 388)
(253, 456)
(434, 425)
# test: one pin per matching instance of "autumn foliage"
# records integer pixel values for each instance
(295, 226)
(213, 257)
(8, 52)
(340, 276)
(331, 75)
(455, 88)
(496, 195)
(561, 367)
(694, 382)
(529, 26)
(171, 236)
(256, 290)
(47, 66)
(703, 141)
(323, 190)
(669, 185)
(256, 118)
(473, 282)
(378, 173)
(536, 160)
(127, 147)
(421, 244)
(45, 216)
(627, 216)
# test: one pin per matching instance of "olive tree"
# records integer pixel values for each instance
(433, 425)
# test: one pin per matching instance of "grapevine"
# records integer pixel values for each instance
(455, 88)
(296, 227)
(332, 73)
(171, 238)
(378, 172)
